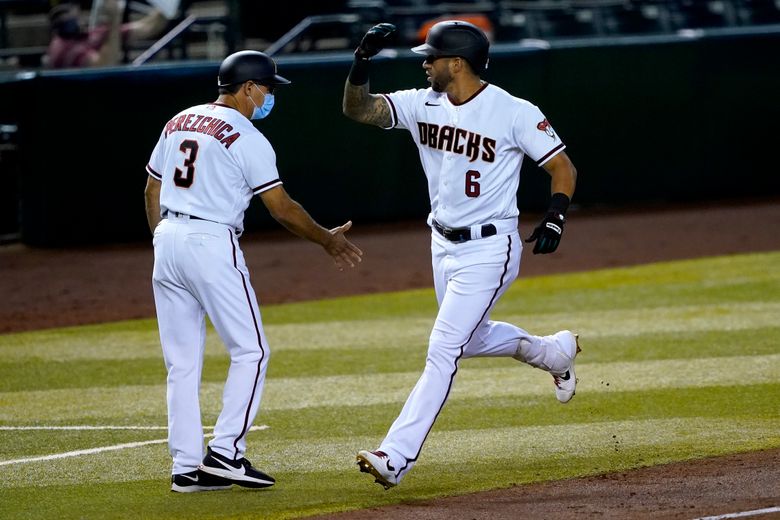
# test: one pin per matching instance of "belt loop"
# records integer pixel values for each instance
(476, 231)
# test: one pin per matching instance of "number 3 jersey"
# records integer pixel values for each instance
(211, 161)
(472, 152)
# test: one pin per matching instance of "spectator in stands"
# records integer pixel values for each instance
(480, 20)
(72, 46)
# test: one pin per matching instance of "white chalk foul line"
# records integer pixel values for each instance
(85, 427)
(742, 514)
(101, 449)
(82, 452)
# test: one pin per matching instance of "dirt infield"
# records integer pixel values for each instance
(42, 288)
(715, 486)
(53, 288)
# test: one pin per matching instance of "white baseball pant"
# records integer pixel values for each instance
(469, 278)
(199, 269)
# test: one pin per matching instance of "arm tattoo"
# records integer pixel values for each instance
(379, 112)
(364, 107)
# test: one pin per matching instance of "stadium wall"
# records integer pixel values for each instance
(668, 119)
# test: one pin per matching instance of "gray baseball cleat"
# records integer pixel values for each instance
(377, 463)
(566, 381)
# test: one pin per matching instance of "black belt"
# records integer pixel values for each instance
(193, 217)
(177, 214)
(459, 235)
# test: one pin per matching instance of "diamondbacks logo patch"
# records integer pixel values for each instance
(545, 127)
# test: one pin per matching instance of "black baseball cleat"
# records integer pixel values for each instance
(239, 472)
(198, 481)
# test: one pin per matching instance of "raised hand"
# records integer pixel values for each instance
(376, 39)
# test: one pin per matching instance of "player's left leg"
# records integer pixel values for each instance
(497, 338)
(501, 339)
(554, 353)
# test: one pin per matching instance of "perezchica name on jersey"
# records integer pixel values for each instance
(213, 126)
(457, 140)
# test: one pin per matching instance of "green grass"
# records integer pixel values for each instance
(680, 361)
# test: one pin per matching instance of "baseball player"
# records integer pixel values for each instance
(208, 163)
(472, 137)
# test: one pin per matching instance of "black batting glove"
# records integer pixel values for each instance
(547, 234)
(376, 39)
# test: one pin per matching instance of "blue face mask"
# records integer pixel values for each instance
(262, 111)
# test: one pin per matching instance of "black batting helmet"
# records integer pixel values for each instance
(457, 38)
(249, 66)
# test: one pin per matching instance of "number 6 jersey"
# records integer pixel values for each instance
(472, 152)
(211, 161)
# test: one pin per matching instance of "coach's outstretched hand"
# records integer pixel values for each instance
(342, 250)
(376, 39)
(547, 234)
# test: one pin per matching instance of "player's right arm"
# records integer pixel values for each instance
(364, 107)
(292, 216)
(358, 103)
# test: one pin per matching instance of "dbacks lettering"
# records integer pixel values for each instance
(458, 140)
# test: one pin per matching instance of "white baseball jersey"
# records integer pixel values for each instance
(472, 152)
(213, 160)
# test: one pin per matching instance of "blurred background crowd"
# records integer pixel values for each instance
(664, 101)
(82, 33)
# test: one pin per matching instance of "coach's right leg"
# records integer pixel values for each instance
(182, 328)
